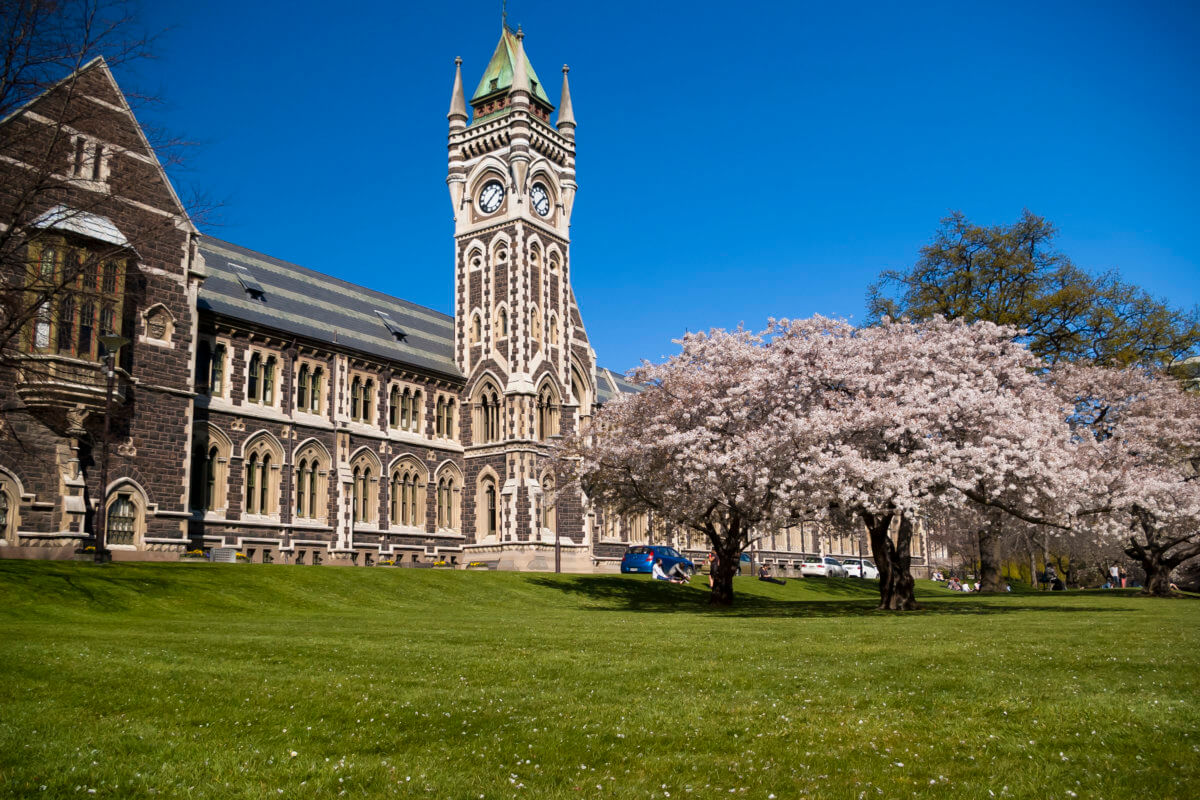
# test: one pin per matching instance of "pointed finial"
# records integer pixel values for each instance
(458, 104)
(566, 115)
(520, 81)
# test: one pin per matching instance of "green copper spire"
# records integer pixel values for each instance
(498, 76)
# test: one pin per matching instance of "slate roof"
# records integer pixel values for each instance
(609, 384)
(311, 305)
(255, 288)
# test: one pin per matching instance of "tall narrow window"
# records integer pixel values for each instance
(264, 482)
(365, 495)
(210, 479)
(66, 324)
(549, 502)
(415, 412)
(252, 484)
(302, 381)
(216, 380)
(502, 324)
(255, 378)
(489, 494)
(356, 399)
(394, 407)
(314, 398)
(412, 500)
(312, 491)
(449, 419)
(87, 322)
(368, 401)
(301, 487)
(268, 381)
(355, 494)
(396, 499)
(406, 410)
(441, 416)
(97, 161)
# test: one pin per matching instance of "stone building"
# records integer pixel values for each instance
(263, 406)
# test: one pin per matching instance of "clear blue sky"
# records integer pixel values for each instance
(736, 160)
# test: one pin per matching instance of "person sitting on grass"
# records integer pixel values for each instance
(764, 574)
(659, 575)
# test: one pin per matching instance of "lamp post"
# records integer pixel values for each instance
(112, 343)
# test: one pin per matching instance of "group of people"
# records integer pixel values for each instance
(677, 573)
(1117, 578)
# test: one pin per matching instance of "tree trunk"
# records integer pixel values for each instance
(893, 559)
(729, 552)
(1158, 575)
(1153, 556)
(990, 558)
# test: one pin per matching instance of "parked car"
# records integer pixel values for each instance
(860, 568)
(822, 567)
(640, 558)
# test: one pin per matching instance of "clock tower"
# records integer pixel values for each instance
(519, 338)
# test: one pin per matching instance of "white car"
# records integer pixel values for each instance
(860, 568)
(822, 567)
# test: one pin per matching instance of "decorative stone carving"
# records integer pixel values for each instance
(126, 448)
(238, 424)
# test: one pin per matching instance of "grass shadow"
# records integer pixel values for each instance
(618, 593)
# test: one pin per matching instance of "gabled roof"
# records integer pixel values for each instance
(498, 76)
(255, 288)
(609, 384)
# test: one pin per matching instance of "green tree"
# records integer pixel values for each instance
(1014, 275)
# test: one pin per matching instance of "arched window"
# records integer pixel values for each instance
(547, 412)
(449, 485)
(553, 330)
(415, 410)
(535, 325)
(501, 324)
(490, 511)
(476, 329)
(122, 520)
(554, 264)
(8, 511)
(407, 494)
(549, 504)
(365, 489)
(310, 477)
(261, 464)
(210, 461)
(487, 413)
(255, 378)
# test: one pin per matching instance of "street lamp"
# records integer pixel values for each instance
(112, 343)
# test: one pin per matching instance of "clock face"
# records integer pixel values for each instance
(491, 197)
(540, 199)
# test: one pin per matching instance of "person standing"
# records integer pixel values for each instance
(1114, 576)
(1124, 577)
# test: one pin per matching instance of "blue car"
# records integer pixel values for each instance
(640, 558)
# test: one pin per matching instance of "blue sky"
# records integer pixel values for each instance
(736, 161)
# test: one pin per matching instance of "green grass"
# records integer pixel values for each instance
(200, 681)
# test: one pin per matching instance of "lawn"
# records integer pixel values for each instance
(236, 681)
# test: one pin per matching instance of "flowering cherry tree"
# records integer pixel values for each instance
(1140, 444)
(697, 447)
(902, 419)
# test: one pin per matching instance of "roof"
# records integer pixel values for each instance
(609, 384)
(499, 73)
(256, 288)
(93, 226)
